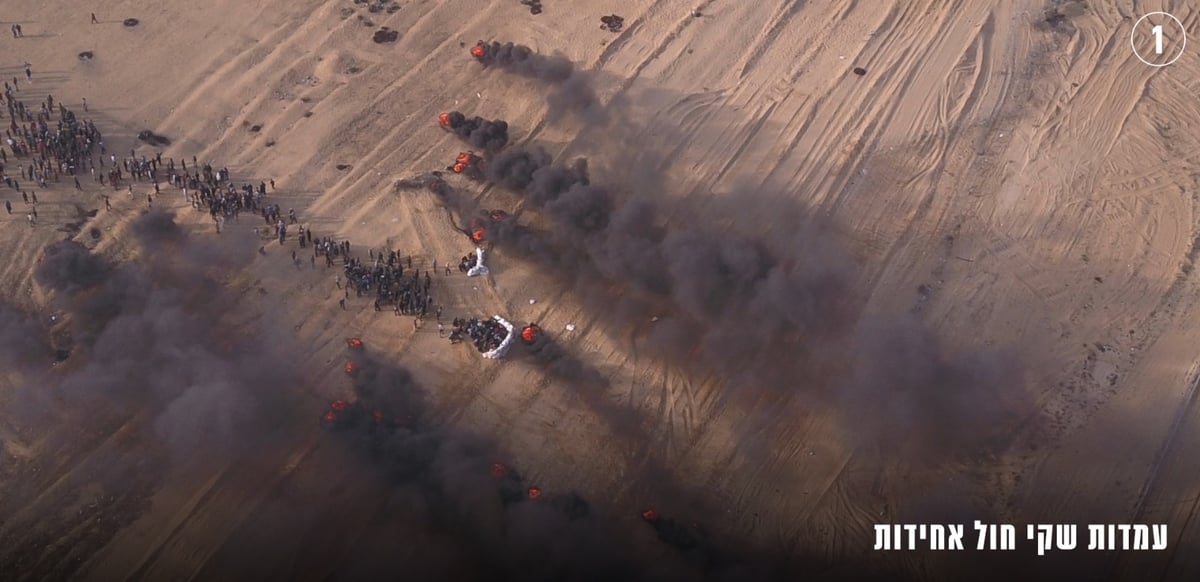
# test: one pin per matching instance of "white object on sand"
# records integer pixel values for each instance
(479, 268)
(570, 327)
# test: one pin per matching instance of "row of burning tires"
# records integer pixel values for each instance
(344, 414)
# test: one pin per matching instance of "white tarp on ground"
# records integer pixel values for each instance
(504, 345)
(479, 268)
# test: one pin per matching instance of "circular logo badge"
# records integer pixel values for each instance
(1158, 39)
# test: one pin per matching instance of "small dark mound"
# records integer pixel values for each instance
(270, 143)
(343, 167)
(860, 71)
(612, 23)
(535, 6)
(255, 128)
(393, 8)
(353, 70)
(153, 139)
(385, 35)
(308, 114)
(131, 22)
(87, 55)
(95, 233)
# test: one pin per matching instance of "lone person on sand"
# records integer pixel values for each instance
(94, 21)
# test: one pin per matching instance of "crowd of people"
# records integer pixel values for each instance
(385, 277)
(485, 334)
(50, 146)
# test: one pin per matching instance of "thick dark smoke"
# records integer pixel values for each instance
(161, 340)
(148, 345)
(22, 339)
(154, 332)
(572, 89)
(487, 135)
(703, 285)
(452, 482)
(526, 62)
(771, 310)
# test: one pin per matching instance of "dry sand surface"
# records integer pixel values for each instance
(1014, 200)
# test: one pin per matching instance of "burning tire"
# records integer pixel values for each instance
(340, 415)
(531, 334)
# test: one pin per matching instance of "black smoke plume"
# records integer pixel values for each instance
(773, 310)
(573, 89)
(152, 350)
(162, 349)
(488, 135)
(504, 526)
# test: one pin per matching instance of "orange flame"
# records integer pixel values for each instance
(534, 492)
(499, 471)
(444, 119)
(650, 515)
(478, 51)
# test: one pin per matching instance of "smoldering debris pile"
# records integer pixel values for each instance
(489, 135)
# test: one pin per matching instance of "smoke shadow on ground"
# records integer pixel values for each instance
(757, 308)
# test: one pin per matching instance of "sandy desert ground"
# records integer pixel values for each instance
(1025, 190)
